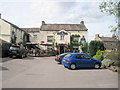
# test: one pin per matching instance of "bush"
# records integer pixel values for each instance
(99, 55)
(107, 62)
(112, 58)
(95, 46)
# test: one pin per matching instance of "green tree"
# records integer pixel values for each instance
(112, 7)
(94, 46)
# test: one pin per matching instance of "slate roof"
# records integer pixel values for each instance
(68, 27)
(110, 39)
(30, 30)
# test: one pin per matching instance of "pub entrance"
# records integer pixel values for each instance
(62, 49)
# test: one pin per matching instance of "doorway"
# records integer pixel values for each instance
(61, 49)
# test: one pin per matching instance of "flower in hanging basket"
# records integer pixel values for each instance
(68, 50)
(42, 41)
(56, 50)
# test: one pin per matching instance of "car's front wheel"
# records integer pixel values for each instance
(73, 66)
(10, 56)
(97, 66)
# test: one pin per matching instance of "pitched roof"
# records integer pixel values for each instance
(12, 24)
(68, 27)
(29, 30)
(110, 39)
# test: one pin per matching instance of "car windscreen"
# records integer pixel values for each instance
(68, 56)
(14, 48)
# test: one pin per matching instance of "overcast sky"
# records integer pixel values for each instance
(30, 13)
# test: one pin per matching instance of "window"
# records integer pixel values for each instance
(68, 56)
(21, 35)
(82, 57)
(85, 57)
(35, 36)
(49, 38)
(49, 47)
(111, 44)
(105, 43)
(76, 39)
(117, 44)
(75, 47)
(62, 37)
(78, 56)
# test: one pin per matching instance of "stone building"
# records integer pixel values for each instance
(109, 42)
(9, 30)
(58, 34)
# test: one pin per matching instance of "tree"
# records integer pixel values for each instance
(112, 7)
(94, 46)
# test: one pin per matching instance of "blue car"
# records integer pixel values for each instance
(76, 60)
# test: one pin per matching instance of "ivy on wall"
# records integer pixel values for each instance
(74, 43)
(53, 43)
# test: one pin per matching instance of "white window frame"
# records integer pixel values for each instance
(76, 39)
(61, 37)
(49, 38)
(35, 36)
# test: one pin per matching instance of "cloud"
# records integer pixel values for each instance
(67, 11)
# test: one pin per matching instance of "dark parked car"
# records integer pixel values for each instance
(60, 57)
(17, 51)
(75, 60)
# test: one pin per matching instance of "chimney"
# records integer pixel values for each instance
(113, 36)
(82, 22)
(97, 36)
(43, 22)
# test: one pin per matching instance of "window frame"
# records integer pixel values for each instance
(62, 37)
(35, 36)
(48, 39)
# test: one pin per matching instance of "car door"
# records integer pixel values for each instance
(86, 60)
(79, 62)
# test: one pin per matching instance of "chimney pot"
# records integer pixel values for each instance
(82, 22)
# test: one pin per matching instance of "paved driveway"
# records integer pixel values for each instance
(45, 72)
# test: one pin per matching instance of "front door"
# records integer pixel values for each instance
(61, 49)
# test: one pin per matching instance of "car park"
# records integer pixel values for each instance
(17, 51)
(76, 60)
(60, 57)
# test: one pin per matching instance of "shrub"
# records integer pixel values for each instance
(95, 46)
(107, 62)
(112, 58)
(99, 55)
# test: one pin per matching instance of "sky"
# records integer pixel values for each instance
(30, 13)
